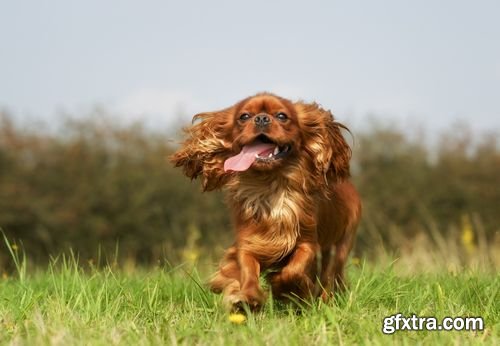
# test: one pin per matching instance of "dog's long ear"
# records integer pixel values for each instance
(323, 142)
(207, 146)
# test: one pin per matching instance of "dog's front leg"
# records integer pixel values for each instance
(250, 293)
(296, 277)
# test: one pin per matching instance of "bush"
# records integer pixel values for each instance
(93, 185)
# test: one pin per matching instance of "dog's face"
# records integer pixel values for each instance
(265, 134)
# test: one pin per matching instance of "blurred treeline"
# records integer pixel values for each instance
(108, 193)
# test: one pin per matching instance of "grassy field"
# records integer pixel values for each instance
(65, 305)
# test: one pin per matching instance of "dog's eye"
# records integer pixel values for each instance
(245, 116)
(281, 116)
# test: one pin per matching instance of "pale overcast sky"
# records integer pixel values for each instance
(429, 63)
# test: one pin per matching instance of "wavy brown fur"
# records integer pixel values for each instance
(205, 149)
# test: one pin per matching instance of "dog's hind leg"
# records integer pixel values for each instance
(333, 264)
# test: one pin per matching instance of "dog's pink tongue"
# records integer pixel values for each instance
(246, 157)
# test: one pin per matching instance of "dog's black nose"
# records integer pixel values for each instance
(262, 120)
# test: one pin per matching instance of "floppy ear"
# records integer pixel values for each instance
(207, 146)
(323, 142)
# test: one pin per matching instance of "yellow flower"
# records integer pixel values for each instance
(237, 318)
(467, 235)
(191, 251)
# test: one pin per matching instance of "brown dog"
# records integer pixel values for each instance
(285, 167)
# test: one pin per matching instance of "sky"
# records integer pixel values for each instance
(410, 63)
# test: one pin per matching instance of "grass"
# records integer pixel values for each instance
(66, 305)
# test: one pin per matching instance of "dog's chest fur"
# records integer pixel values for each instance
(274, 209)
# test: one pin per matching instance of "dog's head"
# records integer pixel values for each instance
(264, 134)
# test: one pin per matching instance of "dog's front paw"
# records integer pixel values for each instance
(286, 283)
(252, 298)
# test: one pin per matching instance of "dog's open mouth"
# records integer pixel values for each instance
(262, 149)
